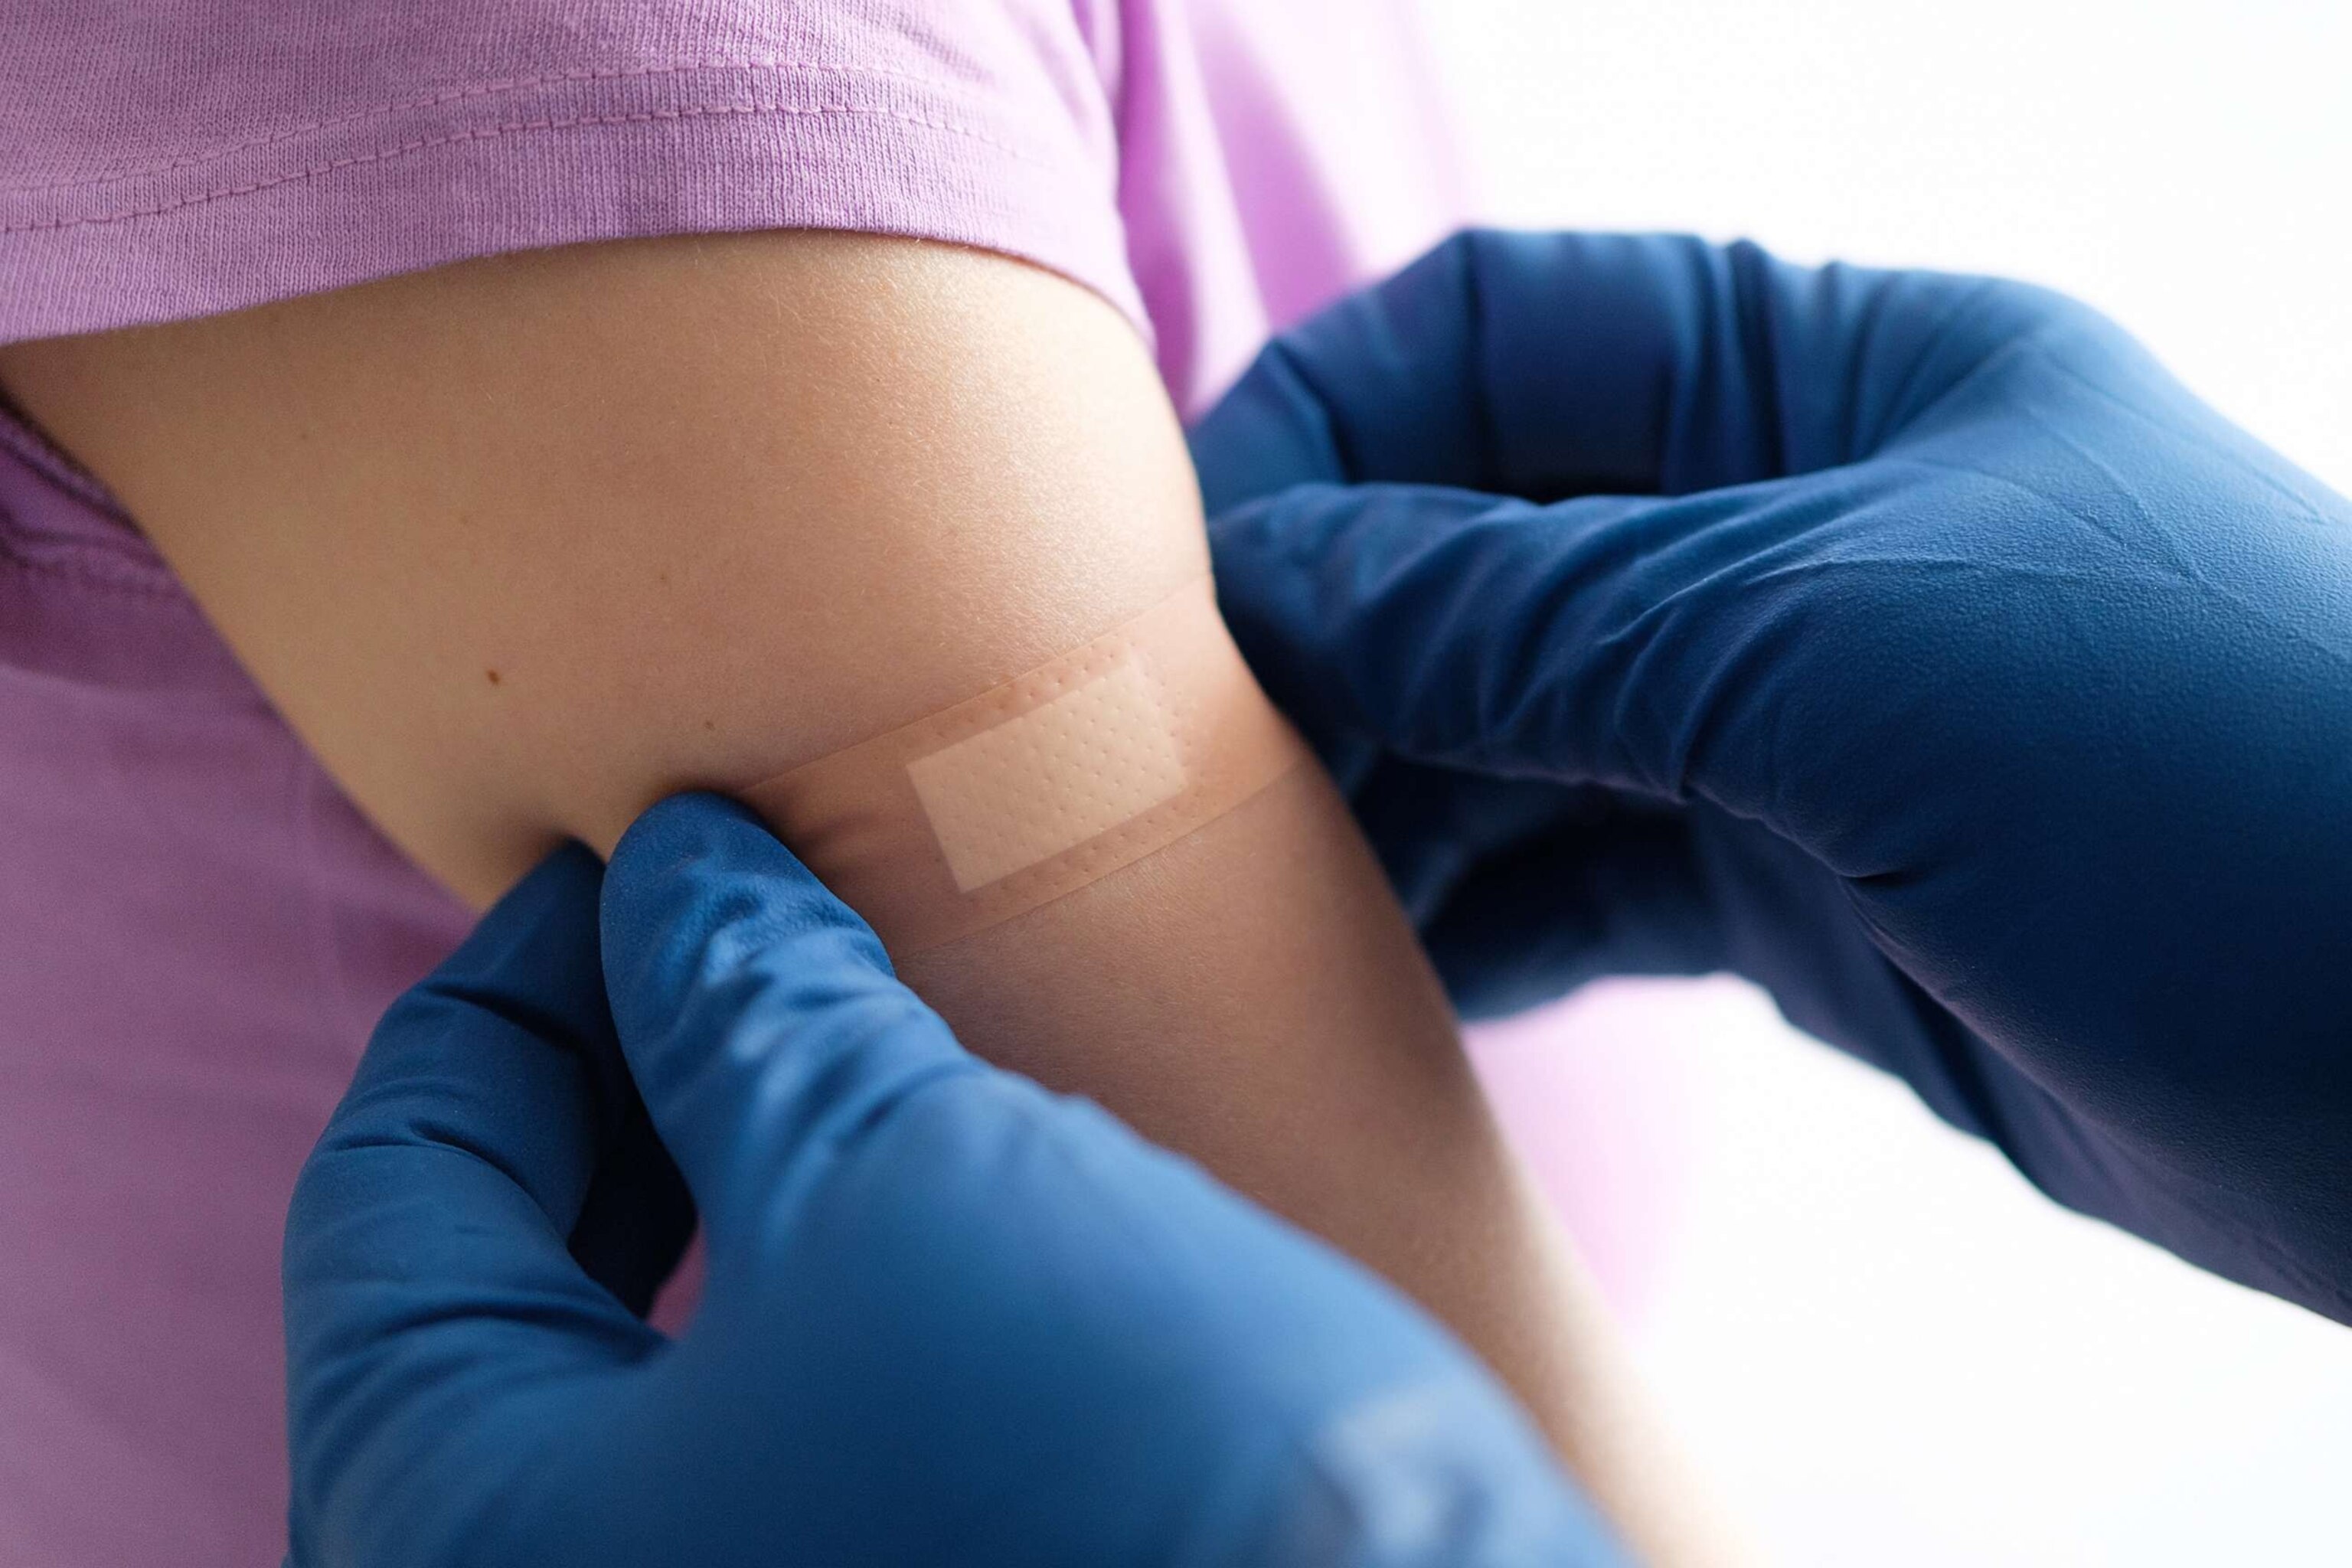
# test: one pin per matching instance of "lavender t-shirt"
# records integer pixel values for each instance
(197, 929)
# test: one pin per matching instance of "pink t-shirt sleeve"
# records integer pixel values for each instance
(168, 158)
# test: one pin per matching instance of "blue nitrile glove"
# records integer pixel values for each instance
(948, 1317)
(1912, 645)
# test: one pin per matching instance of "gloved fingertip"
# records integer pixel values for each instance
(684, 826)
(684, 848)
(556, 899)
(533, 956)
(697, 886)
(753, 1006)
(684, 852)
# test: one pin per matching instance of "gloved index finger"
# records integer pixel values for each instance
(425, 1257)
(494, 1059)
(757, 1011)
(1544, 367)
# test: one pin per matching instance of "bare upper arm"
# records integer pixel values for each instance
(521, 544)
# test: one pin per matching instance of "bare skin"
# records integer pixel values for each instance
(521, 545)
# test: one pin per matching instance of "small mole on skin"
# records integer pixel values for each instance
(491, 676)
(708, 724)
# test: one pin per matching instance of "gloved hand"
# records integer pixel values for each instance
(948, 1317)
(1912, 645)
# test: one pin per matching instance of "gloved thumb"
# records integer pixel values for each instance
(1645, 643)
(759, 1013)
(1425, 622)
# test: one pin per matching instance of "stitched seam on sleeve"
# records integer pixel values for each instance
(520, 127)
(442, 97)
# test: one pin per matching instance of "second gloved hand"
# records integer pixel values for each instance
(948, 1317)
(1911, 643)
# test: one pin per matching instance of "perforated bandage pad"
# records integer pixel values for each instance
(1036, 788)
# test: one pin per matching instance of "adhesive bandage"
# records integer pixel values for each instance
(1036, 788)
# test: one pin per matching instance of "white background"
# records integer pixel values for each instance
(1884, 1346)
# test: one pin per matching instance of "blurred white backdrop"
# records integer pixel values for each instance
(1885, 1347)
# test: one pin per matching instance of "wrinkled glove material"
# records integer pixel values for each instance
(1911, 643)
(948, 1317)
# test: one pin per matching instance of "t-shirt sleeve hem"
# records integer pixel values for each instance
(521, 166)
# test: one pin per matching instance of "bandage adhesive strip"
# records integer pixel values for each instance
(1036, 788)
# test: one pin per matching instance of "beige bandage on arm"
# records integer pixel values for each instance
(1036, 788)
